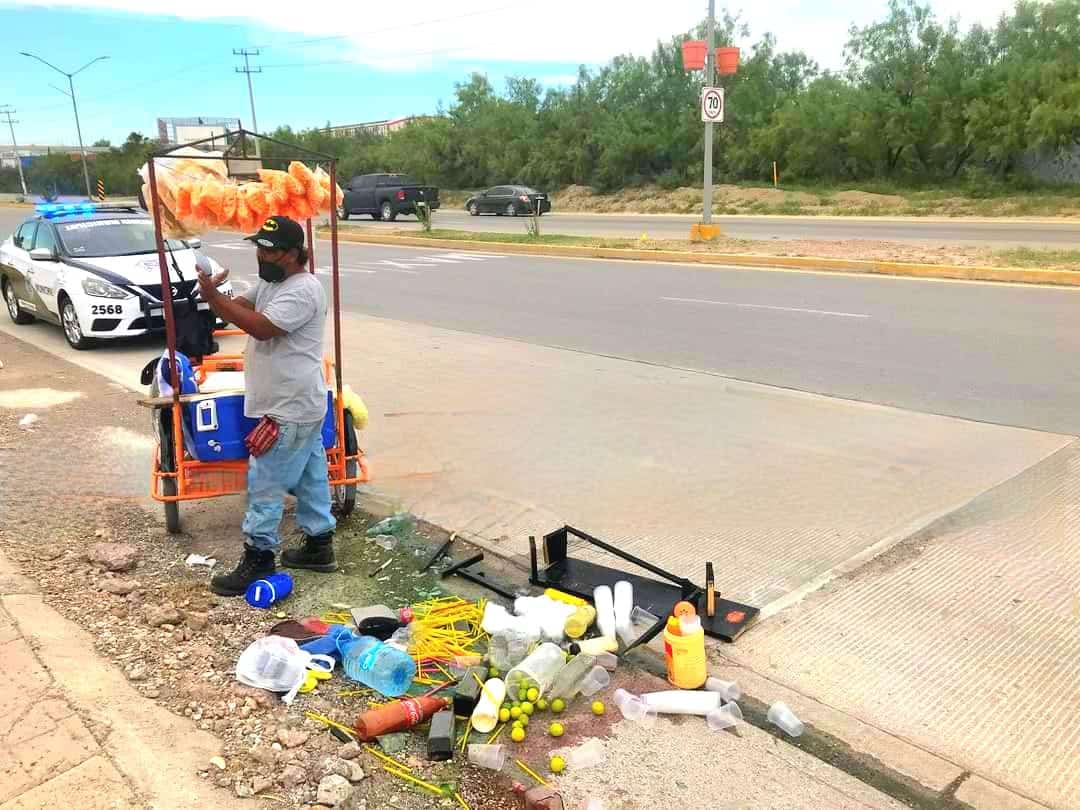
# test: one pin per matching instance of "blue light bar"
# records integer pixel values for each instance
(50, 210)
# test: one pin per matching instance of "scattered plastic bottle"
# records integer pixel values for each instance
(780, 715)
(401, 523)
(385, 668)
(509, 647)
(727, 716)
(568, 681)
(385, 541)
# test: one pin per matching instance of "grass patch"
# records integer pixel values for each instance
(1038, 259)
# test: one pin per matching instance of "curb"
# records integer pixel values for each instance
(1014, 275)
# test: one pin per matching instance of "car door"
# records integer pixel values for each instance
(496, 199)
(16, 256)
(365, 193)
(44, 274)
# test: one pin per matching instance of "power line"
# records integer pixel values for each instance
(7, 111)
(248, 69)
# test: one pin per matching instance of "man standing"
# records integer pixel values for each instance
(284, 316)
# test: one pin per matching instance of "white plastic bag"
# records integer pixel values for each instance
(277, 664)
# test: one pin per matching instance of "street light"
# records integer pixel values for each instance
(74, 106)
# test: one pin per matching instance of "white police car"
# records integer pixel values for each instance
(93, 269)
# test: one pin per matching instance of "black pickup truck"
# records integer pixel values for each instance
(384, 196)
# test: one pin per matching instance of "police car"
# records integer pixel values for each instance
(93, 269)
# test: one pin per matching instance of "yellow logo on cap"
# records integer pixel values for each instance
(270, 225)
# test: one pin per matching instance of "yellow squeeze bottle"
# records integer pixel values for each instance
(580, 620)
(684, 651)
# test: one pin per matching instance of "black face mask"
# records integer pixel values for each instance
(271, 271)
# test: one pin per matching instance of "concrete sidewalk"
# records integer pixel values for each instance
(71, 725)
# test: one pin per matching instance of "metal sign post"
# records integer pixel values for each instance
(710, 77)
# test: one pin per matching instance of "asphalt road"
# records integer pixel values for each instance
(997, 353)
(954, 232)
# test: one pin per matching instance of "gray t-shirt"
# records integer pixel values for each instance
(283, 376)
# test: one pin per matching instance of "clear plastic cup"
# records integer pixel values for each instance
(728, 690)
(586, 755)
(780, 715)
(727, 716)
(634, 708)
(597, 679)
(487, 756)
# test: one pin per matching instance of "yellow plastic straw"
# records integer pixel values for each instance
(531, 772)
(328, 722)
(380, 755)
(461, 801)
(483, 686)
(498, 731)
(465, 738)
(438, 791)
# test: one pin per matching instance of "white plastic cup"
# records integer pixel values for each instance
(605, 610)
(597, 679)
(586, 755)
(727, 716)
(485, 714)
(783, 717)
(728, 690)
(634, 708)
(487, 756)
(624, 605)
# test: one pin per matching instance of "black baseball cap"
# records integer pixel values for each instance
(279, 233)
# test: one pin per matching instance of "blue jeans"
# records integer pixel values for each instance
(297, 464)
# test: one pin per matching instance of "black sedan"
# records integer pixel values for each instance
(513, 201)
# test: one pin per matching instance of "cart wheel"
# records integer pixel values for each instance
(345, 495)
(167, 462)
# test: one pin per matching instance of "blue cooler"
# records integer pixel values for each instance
(217, 426)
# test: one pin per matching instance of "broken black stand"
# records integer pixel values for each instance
(581, 578)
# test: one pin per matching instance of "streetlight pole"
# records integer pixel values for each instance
(74, 106)
(710, 77)
(8, 112)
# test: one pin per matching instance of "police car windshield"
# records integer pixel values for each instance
(98, 238)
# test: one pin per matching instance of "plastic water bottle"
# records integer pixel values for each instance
(381, 666)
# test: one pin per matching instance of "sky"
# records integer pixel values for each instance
(350, 62)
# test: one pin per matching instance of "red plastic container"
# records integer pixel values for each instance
(727, 60)
(693, 54)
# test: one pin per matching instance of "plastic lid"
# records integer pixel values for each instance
(683, 609)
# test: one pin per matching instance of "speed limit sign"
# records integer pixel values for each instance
(712, 105)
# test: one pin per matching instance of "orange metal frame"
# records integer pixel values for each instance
(211, 479)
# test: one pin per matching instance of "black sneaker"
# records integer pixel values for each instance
(316, 554)
(253, 565)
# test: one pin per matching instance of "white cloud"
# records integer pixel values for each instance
(399, 36)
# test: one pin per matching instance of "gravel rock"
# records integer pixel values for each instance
(262, 783)
(350, 750)
(394, 743)
(158, 616)
(114, 556)
(196, 621)
(356, 773)
(244, 790)
(292, 737)
(264, 755)
(137, 672)
(293, 776)
(118, 586)
(333, 790)
(332, 764)
(218, 762)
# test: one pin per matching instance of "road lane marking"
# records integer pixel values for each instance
(766, 306)
(328, 271)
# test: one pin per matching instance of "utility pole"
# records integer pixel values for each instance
(7, 111)
(710, 77)
(248, 69)
(74, 106)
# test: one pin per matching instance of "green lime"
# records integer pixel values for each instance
(533, 694)
(555, 729)
(493, 672)
(542, 705)
(504, 715)
(527, 708)
(598, 707)
(557, 764)
(515, 712)
(557, 705)
(517, 734)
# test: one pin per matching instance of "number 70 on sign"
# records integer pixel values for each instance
(712, 105)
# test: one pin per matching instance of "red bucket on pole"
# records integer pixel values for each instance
(693, 54)
(727, 60)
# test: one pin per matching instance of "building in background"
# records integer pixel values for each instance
(186, 130)
(28, 152)
(375, 127)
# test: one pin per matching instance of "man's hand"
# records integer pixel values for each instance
(208, 285)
